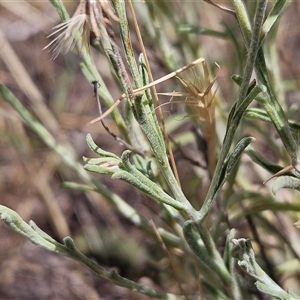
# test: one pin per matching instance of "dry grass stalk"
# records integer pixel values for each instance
(143, 88)
(154, 92)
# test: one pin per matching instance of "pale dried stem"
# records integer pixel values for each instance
(145, 87)
(160, 114)
(27, 85)
(171, 262)
(280, 173)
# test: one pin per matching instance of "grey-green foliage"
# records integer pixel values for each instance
(38, 237)
(244, 253)
(197, 238)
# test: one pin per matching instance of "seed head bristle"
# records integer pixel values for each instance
(65, 41)
(89, 16)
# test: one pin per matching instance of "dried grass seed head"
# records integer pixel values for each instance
(90, 16)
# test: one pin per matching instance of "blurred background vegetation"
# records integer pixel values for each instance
(62, 99)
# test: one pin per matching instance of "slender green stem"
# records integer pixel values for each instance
(253, 50)
(237, 111)
(243, 20)
(277, 114)
(274, 111)
(144, 113)
(272, 18)
(212, 260)
(38, 237)
(127, 45)
(112, 275)
(230, 133)
(92, 74)
(125, 209)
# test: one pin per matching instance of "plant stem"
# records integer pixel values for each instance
(92, 74)
(274, 111)
(125, 209)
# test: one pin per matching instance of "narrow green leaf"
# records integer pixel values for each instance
(272, 18)
(260, 160)
(285, 182)
(244, 253)
(189, 28)
(98, 150)
(236, 154)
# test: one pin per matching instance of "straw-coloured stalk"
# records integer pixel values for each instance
(199, 97)
(91, 16)
(143, 88)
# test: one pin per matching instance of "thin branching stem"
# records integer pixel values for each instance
(90, 70)
(274, 109)
(237, 111)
